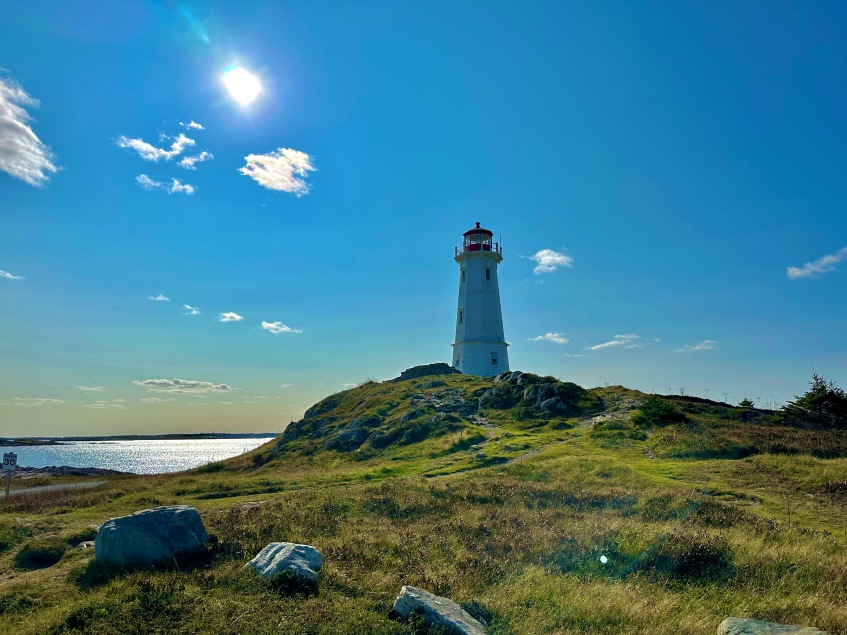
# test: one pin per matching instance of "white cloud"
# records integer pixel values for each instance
(181, 386)
(283, 170)
(556, 338)
(31, 402)
(549, 260)
(175, 187)
(627, 340)
(225, 403)
(114, 404)
(22, 153)
(705, 345)
(285, 386)
(192, 124)
(348, 386)
(278, 327)
(90, 388)
(159, 298)
(818, 267)
(230, 317)
(149, 152)
(572, 355)
(7, 275)
(190, 310)
(157, 400)
(188, 162)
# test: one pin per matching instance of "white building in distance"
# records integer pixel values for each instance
(480, 347)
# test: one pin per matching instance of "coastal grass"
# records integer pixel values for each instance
(560, 527)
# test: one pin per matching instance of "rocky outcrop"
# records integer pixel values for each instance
(150, 536)
(539, 395)
(746, 626)
(304, 561)
(437, 611)
(426, 370)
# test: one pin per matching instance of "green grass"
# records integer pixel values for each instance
(509, 515)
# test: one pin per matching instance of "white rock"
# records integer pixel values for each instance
(437, 611)
(746, 626)
(149, 536)
(303, 560)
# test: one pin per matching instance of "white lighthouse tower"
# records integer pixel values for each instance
(480, 348)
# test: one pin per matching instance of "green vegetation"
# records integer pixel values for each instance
(541, 506)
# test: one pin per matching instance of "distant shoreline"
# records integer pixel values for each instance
(29, 441)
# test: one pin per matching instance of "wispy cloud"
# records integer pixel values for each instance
(285, 386)
(190, 310)
(283, 170)
(31, 402)
(188, 386)
(149, 152)
(556, 338)
(156, 400)
(7, 275)
(230, 317)
(90, 388)
(188, 162)
(548, 261)
(22, 153)
(628, 340)
(192, 124)
(278, 327)
(818, 267)
(705, 345)
(159, 298)
(572, 355)
(103, 404)
(174, 187)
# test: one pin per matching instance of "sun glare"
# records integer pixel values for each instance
(241, 84)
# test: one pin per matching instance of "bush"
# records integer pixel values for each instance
(40, 553)
(694, 557)
(658, 412)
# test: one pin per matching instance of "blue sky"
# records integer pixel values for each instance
(668, 161)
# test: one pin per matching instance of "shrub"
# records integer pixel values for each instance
(658, 412)
(40, 553)
(696, 557)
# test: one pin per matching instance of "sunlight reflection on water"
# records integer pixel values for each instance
(140, 457)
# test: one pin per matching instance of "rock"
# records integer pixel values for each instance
(408, 416)
(149, 536)
(746, 626)
(435, 383)
(551, 406)
(436, 611)
(426, 370)
(302, 560)
(85, 545)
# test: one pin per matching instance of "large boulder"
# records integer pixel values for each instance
(746, 626)
(150, 536)
(436, 611)
(303, 561)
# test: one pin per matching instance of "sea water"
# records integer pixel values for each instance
(158, 456)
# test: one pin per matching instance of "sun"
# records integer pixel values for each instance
(243, 85)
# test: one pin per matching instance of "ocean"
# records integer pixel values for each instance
(139, 457)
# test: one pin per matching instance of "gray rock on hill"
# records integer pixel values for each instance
(150, 536)
(304, 561)
(437, 611)
(746, 626)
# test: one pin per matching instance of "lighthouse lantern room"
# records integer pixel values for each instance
(480, 347)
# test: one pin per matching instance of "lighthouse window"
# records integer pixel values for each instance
(488, 273)
(461, 315)
(494, 358)
(463, 275)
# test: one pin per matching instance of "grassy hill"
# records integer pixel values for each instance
(502, 494)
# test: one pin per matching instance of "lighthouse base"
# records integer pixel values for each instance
(484, 359)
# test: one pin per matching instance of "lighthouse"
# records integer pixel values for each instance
(480, 347)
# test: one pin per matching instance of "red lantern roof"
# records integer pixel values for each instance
(478, 230)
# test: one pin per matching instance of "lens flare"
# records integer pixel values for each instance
(241, 84)
(604, 559)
